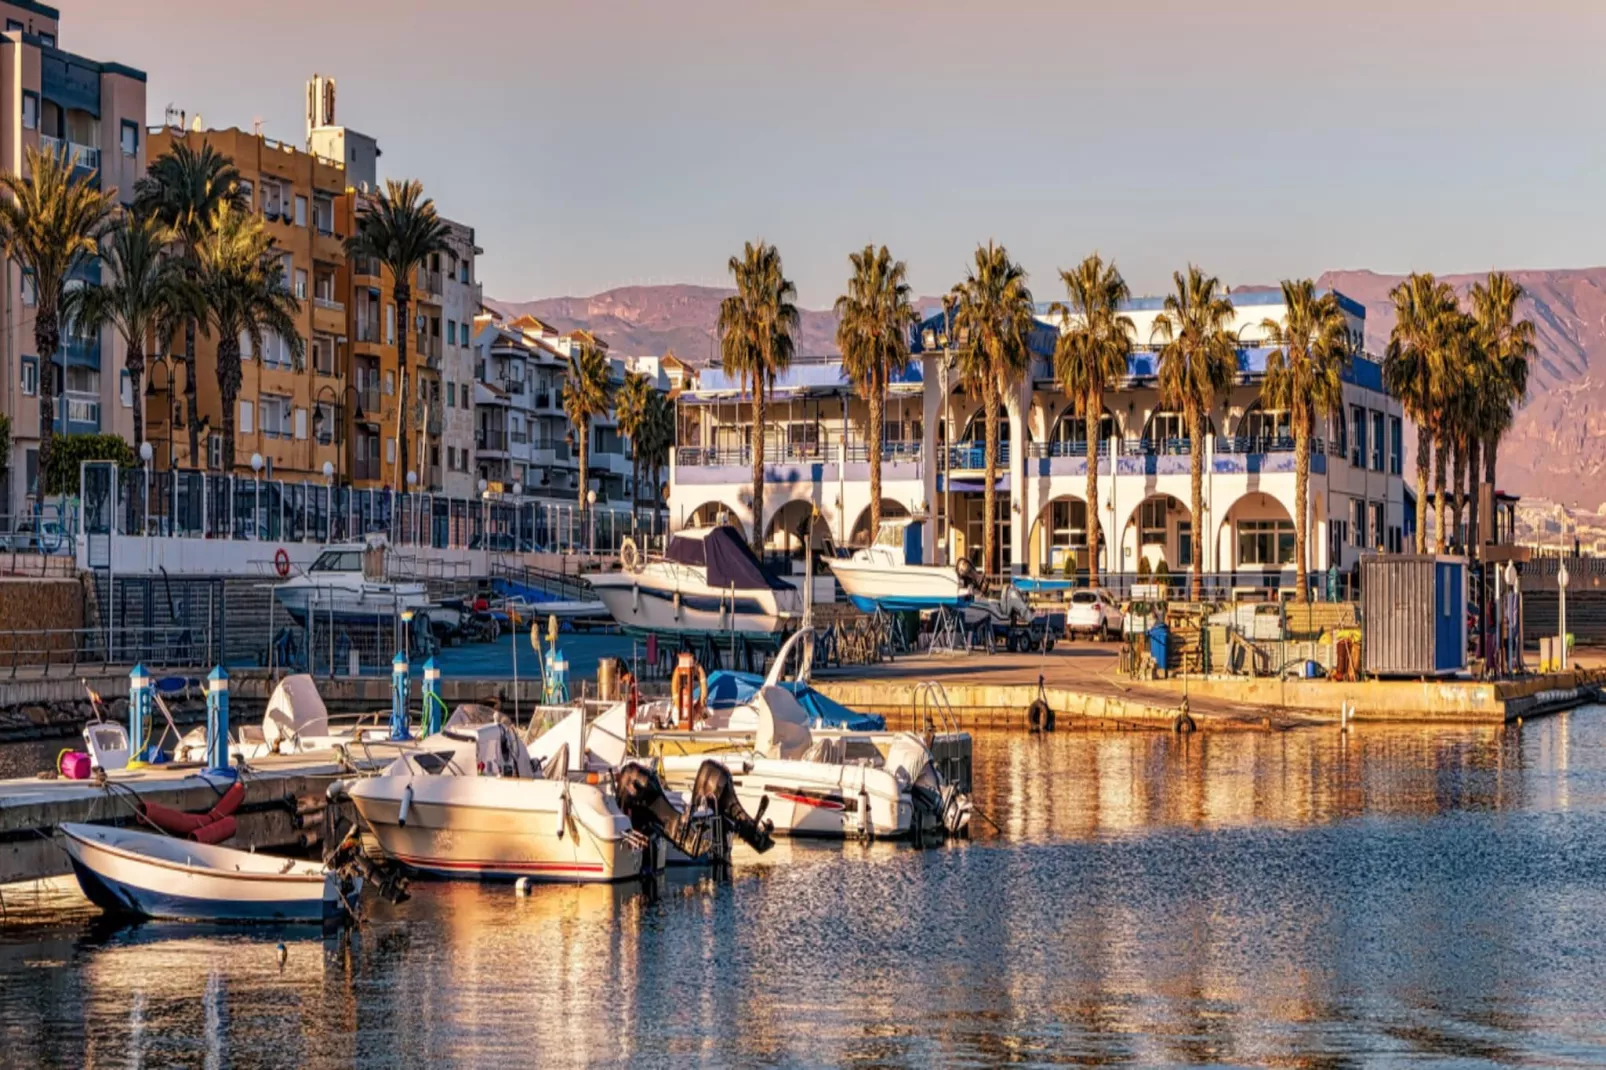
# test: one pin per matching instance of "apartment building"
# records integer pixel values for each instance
(288, 407)
(94, 113)
(460, 304)
(816, 459)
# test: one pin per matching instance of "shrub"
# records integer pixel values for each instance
(69, 452)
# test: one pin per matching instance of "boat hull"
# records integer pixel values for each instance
(494, 829)
(812, 798)
(346, 604)
(645, 604)
(120, 882)
(872, 585)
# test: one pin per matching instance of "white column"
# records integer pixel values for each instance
(930, 413)
(1018, 409)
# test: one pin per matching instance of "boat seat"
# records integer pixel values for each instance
(251, 733)
(558, 768)
(828, 751)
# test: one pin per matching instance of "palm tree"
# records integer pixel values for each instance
(242, 286)
(399, 229)
(1304, 377)
(52, 224)
(873, 321)
(1198, 362)
(658, 438)
(756, 328)
(587, 394)
(994, 308)
(1424, 311)
(145, 290)
(184, 189)
(1090, 357)
(630, 409)
(1507, 346)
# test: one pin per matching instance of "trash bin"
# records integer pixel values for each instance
(1160, 646)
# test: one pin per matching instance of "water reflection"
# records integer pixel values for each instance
(1301, 898)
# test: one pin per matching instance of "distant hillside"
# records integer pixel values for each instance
(1557, 448)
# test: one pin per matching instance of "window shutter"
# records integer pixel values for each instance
(245, 418)
(301, 423)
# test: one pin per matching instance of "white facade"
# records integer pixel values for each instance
(816, 461)
(460, 304)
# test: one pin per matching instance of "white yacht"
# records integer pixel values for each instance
(707, 583)
(888, 573)
(350, 582)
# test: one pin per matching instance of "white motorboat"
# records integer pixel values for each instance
(707, 583)
(888, 574)
(350, 582)
(1009, 609)
(125, 871)
(883, 785)
(474, 802)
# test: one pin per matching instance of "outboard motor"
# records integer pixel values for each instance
(641, 796)
(968, 576)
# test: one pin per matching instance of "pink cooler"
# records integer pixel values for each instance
(74, 765)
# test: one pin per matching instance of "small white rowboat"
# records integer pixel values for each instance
(124, 871)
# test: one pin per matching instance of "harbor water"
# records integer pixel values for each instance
(1312, 898)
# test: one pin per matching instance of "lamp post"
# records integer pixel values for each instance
(329, 500)
(145, 453)
(256, 482)
(173, 410)
(412, 484)
(336, 436)
(591, 516)
(518, 519)
(485, 523)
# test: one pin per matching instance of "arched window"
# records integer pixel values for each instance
(1066, 439)
(976, 428)
(1167, 432)
(1266, 428)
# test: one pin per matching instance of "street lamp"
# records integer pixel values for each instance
(412, 483)
(145, 453)
(256, 481)
(329, 499)
(518, 517)
(591, 515)
(335, 435)
(173, 411)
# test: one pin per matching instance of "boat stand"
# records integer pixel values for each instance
(888, 628)
(948, 634)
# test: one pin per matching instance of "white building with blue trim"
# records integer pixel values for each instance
(816, 460)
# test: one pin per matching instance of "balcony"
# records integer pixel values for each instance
(543, 400)
(429, 282)
(972, 456)
(328, 316)
(490, 440)
(368, 331)
(366, 469)
(77, 413)
(327, 246)
(366, 267)
(428, 348)
(368, 399)
(82, 157)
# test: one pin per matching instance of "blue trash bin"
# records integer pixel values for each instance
(1160, 646)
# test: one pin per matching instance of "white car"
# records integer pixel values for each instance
(1093, 613)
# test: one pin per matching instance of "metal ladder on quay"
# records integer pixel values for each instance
(950, 743)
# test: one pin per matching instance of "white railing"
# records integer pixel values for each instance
(85, 156)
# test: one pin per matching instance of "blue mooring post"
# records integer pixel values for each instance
(399, 679)
(432, 698)
(217, 724)
(139, 713)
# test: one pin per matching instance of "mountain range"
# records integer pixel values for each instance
(1556, 448)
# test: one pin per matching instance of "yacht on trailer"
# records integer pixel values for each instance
(349, 581)
(707, 583)
(888, 574)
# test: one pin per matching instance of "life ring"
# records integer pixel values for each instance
(281, 562)
(629, 555)
(688, 710)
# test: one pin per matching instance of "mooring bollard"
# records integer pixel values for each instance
(139, 714)
(217, 724)
(433, 707)
(399, 680)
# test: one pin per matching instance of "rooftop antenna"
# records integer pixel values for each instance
(256, 125)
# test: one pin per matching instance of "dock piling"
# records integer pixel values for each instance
(433, 707)
(140, 692)
(217, 724)
(400, 678)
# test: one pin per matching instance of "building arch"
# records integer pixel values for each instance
(1058, 534)
(1257, 535)
(714, 512)
(1261, 424)
(1065, 437)
(1166, 431)
(786, 532)
(976, 427)
(1158, 529)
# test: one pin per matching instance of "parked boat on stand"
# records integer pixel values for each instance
(889, 574)
(707, 584)
(350, 582)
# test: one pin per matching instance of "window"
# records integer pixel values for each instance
(30, 289)
(301, 284)
(390, 451)
(323, 215)
(214, 451)
(1377, 526)
(130, 138)
(465, 395)
(390, 326)
(30, 110)
(390, 383)
(301, 211)
(1266, 542)
(125, 389)
(276, 419)
(1151, 522)
(1357, 522)
(246, 421)
(301, 423)
(323, 423)
(323, 354)
(465, 333)
(245, 194)
(1377, 443)
(1396, 452)
(13, 26)
(1340, 435)
(48, 40)
(30, 376)
(245, 346)
(451, 458)
(451, 394)
(1357, 456)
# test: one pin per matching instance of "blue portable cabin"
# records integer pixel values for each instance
(1413, 614)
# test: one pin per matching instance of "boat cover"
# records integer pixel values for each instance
(726, 557)
(727, 689)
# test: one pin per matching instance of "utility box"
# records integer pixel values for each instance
(1413, 615)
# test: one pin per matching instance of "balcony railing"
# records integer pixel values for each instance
(491, 439)
(891, 452)
(429, 281)
(512, 386)
(1066, 448)
(366, 266)
(330, 304)
(973, 455)
(368, 398)
(367, 330)
(518, 438)
(429, 350)
(543, 400)
(86, 157)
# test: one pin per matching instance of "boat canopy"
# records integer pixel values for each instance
(727, 689)
(722, 552)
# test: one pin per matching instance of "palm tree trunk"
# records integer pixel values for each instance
(1457, 480)
(135, 363)
(757, 439)
(989, 497)
(877, 400)
(585, 465)
(1491, 457)
(46, 339)
(403, 400)
(1196, 474)
(1092, 413)
(228, 389)
(1301, 513)
(1440, 460)
(1424, 458)
(1474, 493)
(192, 415)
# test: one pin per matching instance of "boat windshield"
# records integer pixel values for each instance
(338, 561)
(891, 534)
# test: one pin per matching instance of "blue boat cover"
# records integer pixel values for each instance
(1040, 583)
(727, 689)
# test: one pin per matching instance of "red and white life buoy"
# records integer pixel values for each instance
(281, 562)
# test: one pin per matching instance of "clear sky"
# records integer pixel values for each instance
(599, 143)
